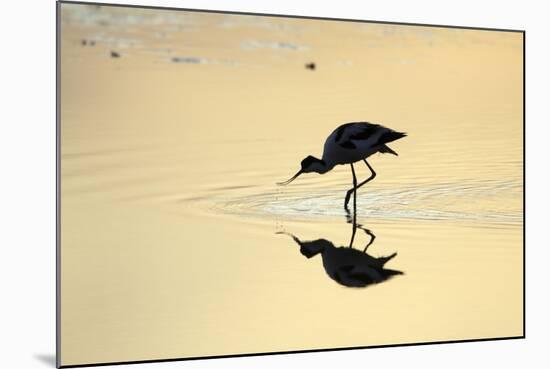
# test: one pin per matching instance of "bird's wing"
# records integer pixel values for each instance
(355, 130)
(348, 135)
(363, 134)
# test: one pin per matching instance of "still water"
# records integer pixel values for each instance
(175, 240)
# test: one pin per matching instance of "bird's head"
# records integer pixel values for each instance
(309, 164)
(311, 248)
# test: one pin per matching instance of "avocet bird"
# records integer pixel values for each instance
(350, 143)
(347, 265)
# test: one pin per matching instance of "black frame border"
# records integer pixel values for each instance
(58, 185)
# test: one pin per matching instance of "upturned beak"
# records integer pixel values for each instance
(291, 179)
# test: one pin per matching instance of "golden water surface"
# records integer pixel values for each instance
(175, 127)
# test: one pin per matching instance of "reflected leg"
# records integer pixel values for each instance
(372, 238)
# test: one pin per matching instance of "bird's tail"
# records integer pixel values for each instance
(385, 259)
(386, 149)
(392, 272)
(390, 136)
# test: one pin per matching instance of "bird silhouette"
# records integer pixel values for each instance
(347, 144)
(346, 265)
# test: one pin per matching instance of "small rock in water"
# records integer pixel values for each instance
(114, 54)
(310, 66)
(85, 42)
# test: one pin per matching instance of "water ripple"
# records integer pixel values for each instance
(478, 202)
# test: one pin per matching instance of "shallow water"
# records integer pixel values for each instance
(171, 219)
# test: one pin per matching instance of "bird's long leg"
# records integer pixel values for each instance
(349, 218)
(354, 206)
(372, 176)
(372, 237)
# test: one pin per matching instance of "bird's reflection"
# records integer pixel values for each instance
(347, 265)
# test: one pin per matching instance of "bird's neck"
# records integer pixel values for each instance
(322, 167)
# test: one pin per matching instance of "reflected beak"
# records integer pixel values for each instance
(291, 179)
